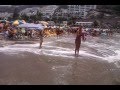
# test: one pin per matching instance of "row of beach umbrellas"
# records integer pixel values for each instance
(23, 24)
(16, 22)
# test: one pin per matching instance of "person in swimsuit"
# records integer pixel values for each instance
(41, 38)
(78, 40)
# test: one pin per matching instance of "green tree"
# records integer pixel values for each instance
(24, 17)
(15, 13)
(101, 15)
(95, 24)
(39, 16)
(54, 19)
(33, 17)
(72, 20)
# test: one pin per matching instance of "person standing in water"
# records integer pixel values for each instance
(78, 40)
(41, 38)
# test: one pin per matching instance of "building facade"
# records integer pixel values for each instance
(61, 13)
(5, 15)
(80, 10)
(48, 11)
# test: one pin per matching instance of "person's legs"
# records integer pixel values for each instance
(41, 41)
(75, 51)
(83, 38)
(40, 45)
(75, 48)
(78, 52)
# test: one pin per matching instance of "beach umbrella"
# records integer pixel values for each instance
(35, 28)
(30, 28)
(16, 22)
(40, 28)
(44, 23)
(21, 21)
(31, 25)
(26, 25)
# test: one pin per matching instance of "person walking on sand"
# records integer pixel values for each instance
(41, 38)
(78, 40)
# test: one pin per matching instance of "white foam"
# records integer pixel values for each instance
(33, 48)
(114, 58)
(50, 49)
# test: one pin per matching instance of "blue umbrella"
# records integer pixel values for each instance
(37, 27)
(26, 25)
(31, 25)
(21, 22)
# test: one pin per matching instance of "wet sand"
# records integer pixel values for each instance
(28, 68)
(43, 70)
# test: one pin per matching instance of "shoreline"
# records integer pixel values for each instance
(23, 67)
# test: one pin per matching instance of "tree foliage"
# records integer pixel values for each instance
(95, 24)
(39, 16)
(101, 15)
(36, 17)
(24, 17)
(15, 14)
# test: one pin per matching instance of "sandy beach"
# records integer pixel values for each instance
(55, 64)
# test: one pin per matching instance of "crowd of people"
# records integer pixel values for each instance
(12, 32)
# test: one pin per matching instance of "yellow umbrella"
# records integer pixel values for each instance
(16, 22)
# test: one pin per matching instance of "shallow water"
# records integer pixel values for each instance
(98, 62)
(104, 49)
